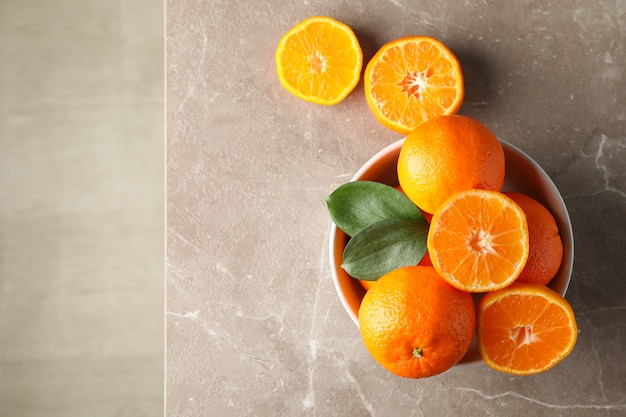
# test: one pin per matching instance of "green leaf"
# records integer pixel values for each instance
(385, 246)
(359, 204)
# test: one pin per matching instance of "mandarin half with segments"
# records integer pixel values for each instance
(319, 60)
(446, 155)
(525, 329)
(478, 240)
(415, 324)
(411, 80)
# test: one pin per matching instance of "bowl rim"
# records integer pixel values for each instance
(564, 219)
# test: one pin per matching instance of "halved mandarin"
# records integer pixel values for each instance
(319, 60)
(478, 240)
(525, 329)
(411, 80)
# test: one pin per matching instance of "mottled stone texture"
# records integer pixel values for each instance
(254, 326)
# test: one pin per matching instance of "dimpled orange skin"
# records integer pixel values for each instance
(446, 155)
(415, 324)
(545, 245)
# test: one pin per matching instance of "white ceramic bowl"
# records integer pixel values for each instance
(522, 175)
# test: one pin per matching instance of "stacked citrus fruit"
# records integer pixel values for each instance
(502, 246)
(448, 231)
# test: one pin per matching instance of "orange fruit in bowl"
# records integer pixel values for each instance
(525, 329)
(319, 60)
(415, 324)
(446, 155)
(411, 80)
(545, 245)
(478, 240)
(366, 284)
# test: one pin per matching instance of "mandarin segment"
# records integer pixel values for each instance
(319, 60)
(411, 80)
(525, 329)
(478, 240)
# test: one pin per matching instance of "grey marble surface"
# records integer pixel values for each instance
(254, 325)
